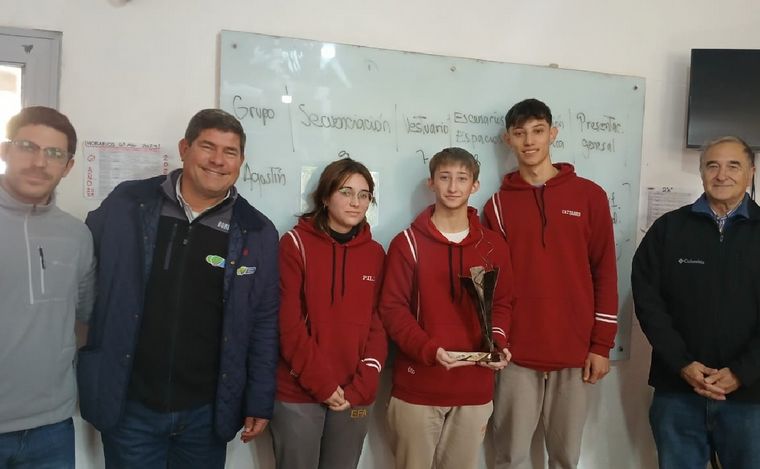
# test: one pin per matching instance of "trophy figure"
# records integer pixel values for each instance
(480, 285)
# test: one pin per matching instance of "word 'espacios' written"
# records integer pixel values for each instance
(463, 137)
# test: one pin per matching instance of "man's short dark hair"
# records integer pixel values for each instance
(526, 110)
(214, 119)
(49, 117)
(452, 156)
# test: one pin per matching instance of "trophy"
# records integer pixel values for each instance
(480, 285)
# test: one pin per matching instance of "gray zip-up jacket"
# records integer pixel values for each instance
(47, 276)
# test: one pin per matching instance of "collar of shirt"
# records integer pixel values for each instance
(189, 212)
(703, 206)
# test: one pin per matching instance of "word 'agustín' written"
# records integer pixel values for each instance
(272, 175)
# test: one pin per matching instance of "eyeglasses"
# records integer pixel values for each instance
(30, 149)
(364, 197)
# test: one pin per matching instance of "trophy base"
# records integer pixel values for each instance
(476, 356)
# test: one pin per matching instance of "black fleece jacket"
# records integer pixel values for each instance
(697, 296)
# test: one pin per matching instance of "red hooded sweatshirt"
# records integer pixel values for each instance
(563, 254)
(330, 332)
(424, 306)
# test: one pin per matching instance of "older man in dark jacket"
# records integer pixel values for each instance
(696, 288)
(183, 343)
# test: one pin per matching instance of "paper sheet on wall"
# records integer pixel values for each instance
(663, 199)
(109, 163)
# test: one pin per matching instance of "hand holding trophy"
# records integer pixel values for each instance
(480, 285)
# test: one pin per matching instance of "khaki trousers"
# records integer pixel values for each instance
(425, 437)
(522, 397)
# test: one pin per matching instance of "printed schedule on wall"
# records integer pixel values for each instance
(305, 103)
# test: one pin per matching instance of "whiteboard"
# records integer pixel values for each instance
(306, 103)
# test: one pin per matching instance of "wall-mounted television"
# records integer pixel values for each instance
(724, 96)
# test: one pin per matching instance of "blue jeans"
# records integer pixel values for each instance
(46, 447)
(147, 439)
(687, 428)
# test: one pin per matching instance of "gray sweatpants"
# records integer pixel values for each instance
(311, 436)
(522, 397)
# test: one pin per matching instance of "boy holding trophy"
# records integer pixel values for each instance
(446, 303)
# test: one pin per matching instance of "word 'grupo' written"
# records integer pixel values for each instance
(244, 111)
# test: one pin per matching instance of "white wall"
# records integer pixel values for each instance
(138, 72)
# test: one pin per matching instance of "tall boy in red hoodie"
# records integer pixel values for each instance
(440, 407)
(559, 231)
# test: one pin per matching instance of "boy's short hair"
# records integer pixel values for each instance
(525, 110)
(216, 119)
(458, 156)
(49, 117)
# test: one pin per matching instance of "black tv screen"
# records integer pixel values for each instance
(724, 96)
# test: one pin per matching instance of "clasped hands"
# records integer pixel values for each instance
(337, 401)
(710, 382)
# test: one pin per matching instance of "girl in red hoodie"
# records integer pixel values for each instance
(332, 343)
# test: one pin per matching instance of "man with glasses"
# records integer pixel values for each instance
(183, 344)
(46, 283)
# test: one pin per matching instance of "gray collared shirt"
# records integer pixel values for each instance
(189, 212)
